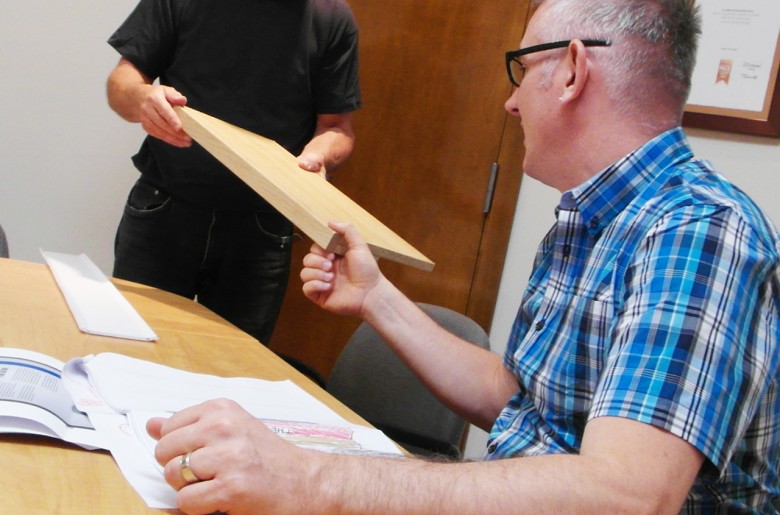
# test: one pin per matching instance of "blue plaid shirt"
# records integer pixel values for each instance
(655, 297)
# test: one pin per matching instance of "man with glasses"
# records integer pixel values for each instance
(642, 370)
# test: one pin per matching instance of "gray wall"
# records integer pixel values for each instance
(64, 155)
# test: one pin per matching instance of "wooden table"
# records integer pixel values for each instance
(44, 475)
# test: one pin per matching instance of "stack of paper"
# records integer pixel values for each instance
(118, 392)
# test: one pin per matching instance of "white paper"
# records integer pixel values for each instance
(98, 307)
(120, 394)
(736, 53)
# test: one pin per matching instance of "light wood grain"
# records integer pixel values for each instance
(305, 198)
(45, 475)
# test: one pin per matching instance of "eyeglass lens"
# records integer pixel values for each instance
(517, 70)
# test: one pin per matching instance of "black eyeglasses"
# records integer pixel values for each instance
(515, 69)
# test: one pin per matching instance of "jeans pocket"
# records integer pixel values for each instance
(145, 198)
(275, 228)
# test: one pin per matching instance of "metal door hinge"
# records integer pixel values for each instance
(491, 188)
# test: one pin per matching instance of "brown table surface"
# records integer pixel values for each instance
(45, 475)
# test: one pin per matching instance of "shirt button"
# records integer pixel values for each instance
(492, 447)
(540, 325)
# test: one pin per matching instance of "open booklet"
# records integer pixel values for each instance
(33, 400)
(120, 394)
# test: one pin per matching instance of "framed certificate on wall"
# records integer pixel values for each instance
(735, 85)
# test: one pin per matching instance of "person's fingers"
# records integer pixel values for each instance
(339, 227)
(350, 233)
(203, 497)
(317, 267)
(188, 468)
(310, 275)
(319, 261)
(154, 426)
(169, 117)
(312, 162)
(319, 251)
(183, 418)
(178, 434)
(159, 119)
(314, 289)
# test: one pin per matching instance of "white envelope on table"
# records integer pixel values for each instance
(98, 307)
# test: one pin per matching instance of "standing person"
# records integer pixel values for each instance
(641, 374)
(287, 70)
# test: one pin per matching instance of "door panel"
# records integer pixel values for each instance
(431, 127)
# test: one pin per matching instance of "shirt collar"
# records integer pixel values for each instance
(600, 199)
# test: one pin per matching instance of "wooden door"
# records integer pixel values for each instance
(431, 129)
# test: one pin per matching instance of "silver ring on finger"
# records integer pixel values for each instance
(185, 469)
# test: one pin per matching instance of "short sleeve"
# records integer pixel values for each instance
(336, 81)
(686, 355)
(147, 38)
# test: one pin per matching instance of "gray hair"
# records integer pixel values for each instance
(653, 46)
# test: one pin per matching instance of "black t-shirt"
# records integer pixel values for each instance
(269, 66)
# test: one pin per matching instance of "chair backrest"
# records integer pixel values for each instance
(372, 381)
(3, 244)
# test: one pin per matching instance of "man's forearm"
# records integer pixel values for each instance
(623, 467)
(133, 96)
(549, 484)
(471, 380)
(124, 90)
(333, 140)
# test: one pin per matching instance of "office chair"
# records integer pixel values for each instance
(305, 369)
(3, 244)
(372, 381)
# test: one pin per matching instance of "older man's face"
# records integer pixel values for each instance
(535, 102)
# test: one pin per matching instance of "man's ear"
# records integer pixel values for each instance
(577, 68)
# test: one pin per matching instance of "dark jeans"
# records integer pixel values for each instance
(234, 263)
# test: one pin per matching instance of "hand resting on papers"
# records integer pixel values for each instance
(241, 465)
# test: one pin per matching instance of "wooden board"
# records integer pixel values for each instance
(305, 198)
